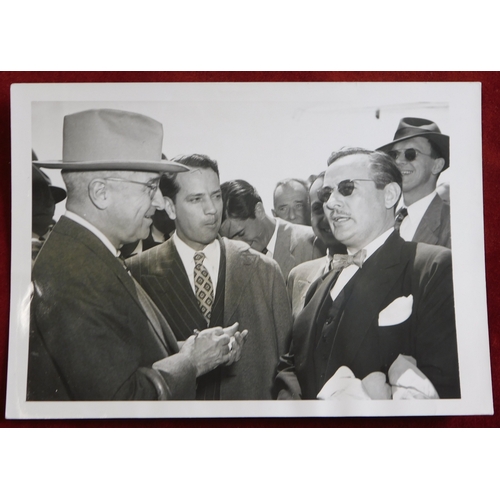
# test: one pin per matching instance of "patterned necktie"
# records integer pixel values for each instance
(204, 289)
(402, 213)
(340, 261)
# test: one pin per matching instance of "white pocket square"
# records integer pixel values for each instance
(396, 312)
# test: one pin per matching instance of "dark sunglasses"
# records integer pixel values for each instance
(410, 154)
(345, 188)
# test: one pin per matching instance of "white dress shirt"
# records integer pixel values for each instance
(415, 213)
(348, 272)
(211, 262)
(271, 246)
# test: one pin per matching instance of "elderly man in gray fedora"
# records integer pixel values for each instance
(421, 153)
(95, 334)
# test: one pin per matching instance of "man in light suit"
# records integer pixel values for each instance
(245, 219)
(302, 276)
(197, 279)
(94, 332)
(421, 152)
(388, 297)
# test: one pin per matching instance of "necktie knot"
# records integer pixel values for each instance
(400, 215)
(340, 261)
(199, 257)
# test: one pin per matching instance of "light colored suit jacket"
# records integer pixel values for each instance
(254, 295)
(295, 244)
(300, 279)
(435, 226)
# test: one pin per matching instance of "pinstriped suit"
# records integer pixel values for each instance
(252, 292)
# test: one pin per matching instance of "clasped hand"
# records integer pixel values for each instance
(214, 346)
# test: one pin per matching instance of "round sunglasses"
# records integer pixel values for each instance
(410, 154)
(345, 188)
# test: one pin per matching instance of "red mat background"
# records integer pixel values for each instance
(491, 180)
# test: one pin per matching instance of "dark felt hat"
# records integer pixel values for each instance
(40, 178)
(420, 127)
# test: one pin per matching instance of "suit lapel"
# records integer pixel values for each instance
(165, 279)
(428, 229)
(92, 242)
(282, 251)
(369, 288)
(239, 264)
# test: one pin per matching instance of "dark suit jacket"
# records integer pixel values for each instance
(254, 295)
(295, 244)
(397, 269)
(90, 337)
(435, 226)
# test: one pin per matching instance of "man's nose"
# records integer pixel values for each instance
(158, 201)
(335, 200)
(291, 214)
(209, 207)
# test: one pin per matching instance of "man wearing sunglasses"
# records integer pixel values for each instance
(421, 153)
(387, 297)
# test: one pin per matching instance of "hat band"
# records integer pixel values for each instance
(410, 131)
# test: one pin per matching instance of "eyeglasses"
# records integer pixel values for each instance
(345, 188)
(410, 154)
(152, 187)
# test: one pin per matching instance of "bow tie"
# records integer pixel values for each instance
(341, 260)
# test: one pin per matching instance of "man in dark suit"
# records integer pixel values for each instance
(245, 219)
(389, 297)
(198, 279)
(94, 333)
(421, 152)
(302, 276)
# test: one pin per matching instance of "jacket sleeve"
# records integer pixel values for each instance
(435, 339)
(97, 343)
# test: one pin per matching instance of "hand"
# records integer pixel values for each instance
(208, 349)
(236, 345)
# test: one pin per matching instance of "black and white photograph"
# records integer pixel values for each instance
(247, 249)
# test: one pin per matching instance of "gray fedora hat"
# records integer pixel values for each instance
(110, 139)
(420, 127)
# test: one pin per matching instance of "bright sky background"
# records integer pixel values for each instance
(258, 132)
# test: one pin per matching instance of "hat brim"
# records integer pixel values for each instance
(441, 140)
(59, 194)
(139, 166)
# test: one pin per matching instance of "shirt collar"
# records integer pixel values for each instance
(86, 224)
(211, 251)
(374, 245)
(272, 242)
(417, 210)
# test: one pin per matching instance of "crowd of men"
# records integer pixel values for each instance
(159, 282)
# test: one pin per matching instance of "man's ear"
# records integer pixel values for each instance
(392, 193)
(438, 166)
(260, 213)
(99, 194)
(170, 207)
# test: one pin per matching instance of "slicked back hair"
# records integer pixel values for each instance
(239, 199)
(168, 182)
(383, 168)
